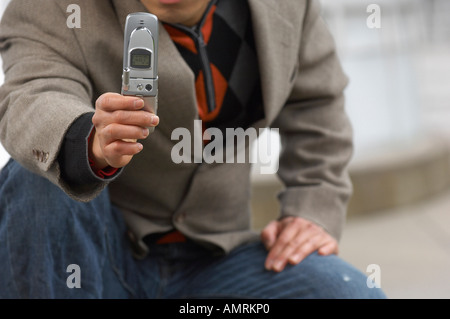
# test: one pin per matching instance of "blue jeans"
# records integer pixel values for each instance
(44, 234)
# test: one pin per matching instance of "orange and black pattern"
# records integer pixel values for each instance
(221, 53)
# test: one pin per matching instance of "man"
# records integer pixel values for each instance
(90, 188)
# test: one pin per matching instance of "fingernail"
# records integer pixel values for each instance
(295, 259)
(146, 132)
(138, 103)
(140, 147)
(155, 120)
(269, 264)
(277, 266)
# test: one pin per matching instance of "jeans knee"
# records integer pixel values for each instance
(32, 206)
(36, 201)
(337, 279)
(44, 231)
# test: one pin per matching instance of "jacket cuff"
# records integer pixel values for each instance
(74, 159)
(321, 205)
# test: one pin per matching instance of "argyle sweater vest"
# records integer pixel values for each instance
(221, 53)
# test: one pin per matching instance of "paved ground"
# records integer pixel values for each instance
(410, 244)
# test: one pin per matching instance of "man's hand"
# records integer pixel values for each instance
(291, 239)
(119, 122)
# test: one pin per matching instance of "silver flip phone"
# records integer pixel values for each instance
(140, 59)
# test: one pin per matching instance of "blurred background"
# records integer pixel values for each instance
(398, 99)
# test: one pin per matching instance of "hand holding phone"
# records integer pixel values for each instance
(120, 120)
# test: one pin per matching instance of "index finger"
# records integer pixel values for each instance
(286, 238)
(111, 102)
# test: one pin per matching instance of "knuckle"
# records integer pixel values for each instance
(96, 119)
(295, 242)
(312, 225)
(110, 130)
(103, 101)
(116, 147)
(292, 244)
(283, 241)
(315, 227)
(107, 131)
(101, 134)
(107, 153)
(276, 250)
(297, 222)
(119, 116)
(147, 118)
(310, 242)
(98, 102)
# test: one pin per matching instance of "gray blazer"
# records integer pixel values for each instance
(54, 74)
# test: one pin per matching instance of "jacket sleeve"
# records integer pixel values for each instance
(315, 132)
(46, 89)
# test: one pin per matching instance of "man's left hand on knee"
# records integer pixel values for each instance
(292, 239)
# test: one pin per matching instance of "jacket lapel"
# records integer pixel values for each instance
(275, 44)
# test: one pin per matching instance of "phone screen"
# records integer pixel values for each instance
(140, 59)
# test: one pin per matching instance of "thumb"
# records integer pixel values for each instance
(270, 233)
